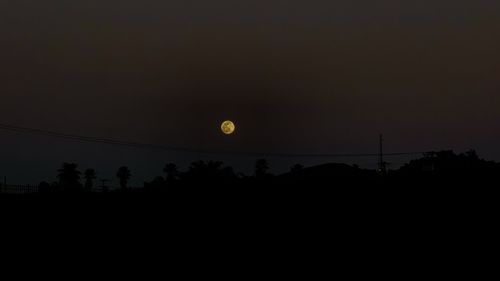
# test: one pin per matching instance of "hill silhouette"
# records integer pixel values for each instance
(432, 190)
(443, 167)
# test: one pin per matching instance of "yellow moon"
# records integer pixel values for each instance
(227, 127)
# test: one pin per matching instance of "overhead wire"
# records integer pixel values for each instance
(132, 144)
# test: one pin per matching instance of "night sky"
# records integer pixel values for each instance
(295, 76)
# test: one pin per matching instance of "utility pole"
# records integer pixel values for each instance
(381, 163)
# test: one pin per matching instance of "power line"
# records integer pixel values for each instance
(116, 142)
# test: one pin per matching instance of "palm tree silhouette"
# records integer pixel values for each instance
(124, 175)
(69, 176)
(89, 176)
(172, 172)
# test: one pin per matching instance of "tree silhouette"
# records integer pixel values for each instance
(69, 177)
(296, 168)
(157, 185)
(202, 169)
(124, 175)
(213, 172)
(89, 176)
(44, 187)
(261, 168)
(444, 168)
(172, 173)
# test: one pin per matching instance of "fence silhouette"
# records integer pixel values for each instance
(19, 189)
(28, 188)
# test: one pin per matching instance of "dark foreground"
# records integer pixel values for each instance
(319, 196)
(386, 222)
(309, 223)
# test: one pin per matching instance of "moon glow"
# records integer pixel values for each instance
(228, 127)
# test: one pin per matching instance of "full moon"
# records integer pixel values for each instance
(228, 127)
